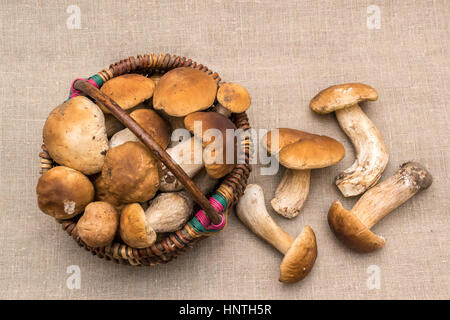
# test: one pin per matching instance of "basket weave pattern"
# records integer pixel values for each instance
(231, 187)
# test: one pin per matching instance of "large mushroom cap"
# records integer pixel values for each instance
(300, 150)
(98, 225)
(184, 90)
(134, 229)
(234, 97)
(215, 156)
(130, 173)
(63, 192)
(128, 90)
(299, 259)
(342, 96)
(351, 231)
(75, 135)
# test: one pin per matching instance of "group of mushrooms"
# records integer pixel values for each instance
(110, 181)
(299, 152)
(118, 190)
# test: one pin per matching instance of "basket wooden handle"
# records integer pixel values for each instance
(160, 154)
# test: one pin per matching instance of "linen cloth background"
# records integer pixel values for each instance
(284, 52)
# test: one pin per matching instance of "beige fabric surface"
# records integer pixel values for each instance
(284, 52)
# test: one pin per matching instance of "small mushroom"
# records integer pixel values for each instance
(130, 173)
(299, 254)
(232, 98)
(128, 90)
(371, 152)
(299, 152)
(353, 226)
(184, 155)
(63, 192)
(151, 122)
(75, 135)
(98, 225)
(134, 229)
(184, 90)
(215, 156)
(169, 211)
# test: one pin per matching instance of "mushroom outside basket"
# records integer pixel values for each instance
(212, 217)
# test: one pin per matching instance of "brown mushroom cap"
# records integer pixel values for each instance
(234, 97)
(351, 231)
(184, 90)
(63, 192)
(128, 90)
(342, 96)
(98, 225)
(300, 150)
(299, 259)
(75, 135)
(213, 120)
(102, 194)
(134, 230)
(130, 173)
(154, 125)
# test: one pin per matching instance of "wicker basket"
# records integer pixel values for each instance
(231, 187)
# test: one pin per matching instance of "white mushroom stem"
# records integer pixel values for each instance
(291, 193)
(380, 200)
(371, 152)
(183, 154)
(252, 211)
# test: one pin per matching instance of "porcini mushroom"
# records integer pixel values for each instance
(98, 224)
(75, 135)
(184, 90)
(169, 211)
(353, 226)
(232, 98)
(371, 152)
(299, 254)
(128, 90)
(151, 122)
(299, 152)
(215, 156)
(63, 192)
(131, 173)
(134, 229)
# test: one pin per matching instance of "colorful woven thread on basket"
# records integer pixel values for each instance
(95, 80)
(202, 225)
